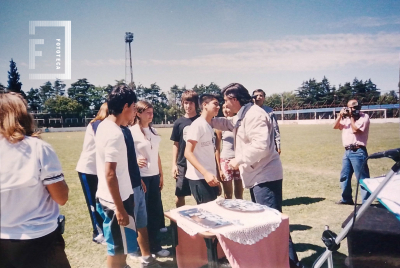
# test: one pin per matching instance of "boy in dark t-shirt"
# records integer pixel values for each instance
(190, 102)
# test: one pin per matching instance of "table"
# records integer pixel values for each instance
(190, 252)
(374, 240)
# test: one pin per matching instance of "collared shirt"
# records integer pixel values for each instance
(349, 137)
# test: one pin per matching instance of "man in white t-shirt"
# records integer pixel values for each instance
(200, 153)
(115, 201)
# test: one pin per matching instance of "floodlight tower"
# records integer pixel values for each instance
(128, 54)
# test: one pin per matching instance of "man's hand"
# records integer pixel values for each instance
(211, 179)
(174, 171)
(122, 217)
(279, 151)
(343, 111)
(233, 164)
(142, 162)
(144, 186)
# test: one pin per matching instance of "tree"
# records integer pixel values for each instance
(290, 101)
(63, 105)
(59, 88)
(365, 91)
(156, 97)
(97, 96)
(3, 89)
(212, 88)
(309, 92)
(390, 97)
(14, 84)
(34, 101)
(79, 91)
(175, 102)
(344, 93)
(46, 91)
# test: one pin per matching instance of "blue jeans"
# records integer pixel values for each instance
(352, 162)
(270, 194)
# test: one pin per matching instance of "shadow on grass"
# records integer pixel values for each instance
(299, 227)
(338, 258)
(303, 200)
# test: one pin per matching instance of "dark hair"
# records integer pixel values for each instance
(118, 97)
(190, 95)
(206, 98)
(259, 90)
(238, 91)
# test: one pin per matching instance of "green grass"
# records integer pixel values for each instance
(311, 157)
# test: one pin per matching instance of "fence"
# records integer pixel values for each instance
(374, 111)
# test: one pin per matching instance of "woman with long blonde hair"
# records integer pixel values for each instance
(147, 143)
(87, 173)
(32, 187)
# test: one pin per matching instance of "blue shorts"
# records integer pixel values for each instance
(140, 207)
(120, 239)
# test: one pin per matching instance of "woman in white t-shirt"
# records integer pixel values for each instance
(86, 168)
(32, 187)
(147, 143)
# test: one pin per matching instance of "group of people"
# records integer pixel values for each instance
(121, 173)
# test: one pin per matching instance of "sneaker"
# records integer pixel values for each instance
(163, 253)
(341, 202)
(163, 230)
(149, 262)
(135, 256)
(100, 239)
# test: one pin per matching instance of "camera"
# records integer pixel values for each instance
(346, 112)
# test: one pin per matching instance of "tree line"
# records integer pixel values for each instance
(84, 99)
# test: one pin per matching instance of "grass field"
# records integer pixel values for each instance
(311, 157)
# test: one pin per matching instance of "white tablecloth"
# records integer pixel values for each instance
(248, 229)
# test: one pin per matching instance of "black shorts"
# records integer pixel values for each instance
(182, 183)
(42, 252)
(202, 192)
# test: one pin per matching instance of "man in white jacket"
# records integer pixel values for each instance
(255, 155)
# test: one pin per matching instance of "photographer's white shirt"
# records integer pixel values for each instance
(201, 131)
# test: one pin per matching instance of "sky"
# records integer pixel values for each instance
(273, 45)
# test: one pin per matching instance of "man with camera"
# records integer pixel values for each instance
(354, 125)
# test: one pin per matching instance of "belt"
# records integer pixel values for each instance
(353, 147)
